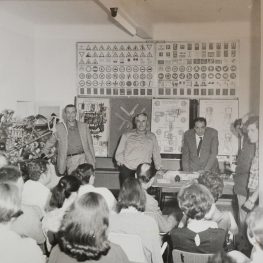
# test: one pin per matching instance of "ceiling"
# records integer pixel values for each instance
(143, 14)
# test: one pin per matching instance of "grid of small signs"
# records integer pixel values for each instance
(198, 69)
(116, 68)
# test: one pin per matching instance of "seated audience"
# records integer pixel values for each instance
(145, 173)
(13, 247)
(85, 172)
(83, 234)
(255, 236)
(215, 184)
(35, 191)
(29, 223)
(199, 235)
(62, 196)
(130, 219)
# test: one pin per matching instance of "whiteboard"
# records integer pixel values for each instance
(170, 119)
(220, 115)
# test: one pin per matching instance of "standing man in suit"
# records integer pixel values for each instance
(74, 143)
(200, 148)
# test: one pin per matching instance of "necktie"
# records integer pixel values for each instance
(199, 146)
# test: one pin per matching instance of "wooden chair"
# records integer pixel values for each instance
(131, 245)
(180, 256)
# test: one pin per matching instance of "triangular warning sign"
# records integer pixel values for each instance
(128, 55)
(88, 55)
(101, 48)
(142, 47)
(95, 55)
(121, 55)
(149, 46)
(129, 47)
(88, 47)
(115, 55)
(115, 48)
(95, 48)
(81, 54)
(108, 54)
(95, 61)
(108, 48)
(135, 55)
(101, 55)
(149, 55)
(142, 55)
(122, 48)
(135, 48)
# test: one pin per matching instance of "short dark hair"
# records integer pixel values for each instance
(70, 106)
(252, 120)
(200, 119)
(213, 181)
(195, 200)
(141, 114)
(145, 172)
(83, 232)
(83, 172)
(35, 168)
(63, 190)
(131, 194)
(9, 174)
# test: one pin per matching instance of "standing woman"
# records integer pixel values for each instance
(83, 234)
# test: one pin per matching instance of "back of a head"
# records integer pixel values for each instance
(66, 185)
(131, 194)
(9, 174)
(255, 225)
(252, 120)
(10, 202)
(195, 200)
(83, 232)
(84, 172)
(145, 172)
(213, 182)
(34, 168)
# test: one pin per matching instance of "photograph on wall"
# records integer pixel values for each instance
(170, 119)
(96, 113)
(220, 115)
(123, 111)
(115, 68)
(198, 68)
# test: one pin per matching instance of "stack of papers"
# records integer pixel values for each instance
(184, 176)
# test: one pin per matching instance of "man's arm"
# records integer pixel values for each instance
(213, 151)
(156, 154)
(185, 155)
(119, 155)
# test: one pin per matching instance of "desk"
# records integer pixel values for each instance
(167, 184)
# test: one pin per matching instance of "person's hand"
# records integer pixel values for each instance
(119, 164)
(248, 205)
(161, 172)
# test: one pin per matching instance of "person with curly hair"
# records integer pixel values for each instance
(131, 219)
(199, 235)
(82, 236)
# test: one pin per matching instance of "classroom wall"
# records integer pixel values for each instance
(16, 61)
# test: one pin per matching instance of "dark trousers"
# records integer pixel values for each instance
(125, 172)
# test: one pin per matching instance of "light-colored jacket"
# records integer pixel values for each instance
(60, 136)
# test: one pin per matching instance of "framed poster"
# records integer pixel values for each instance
(96, 113)
(170, 119)
(207, 69)
(115, 68)
(220, 115)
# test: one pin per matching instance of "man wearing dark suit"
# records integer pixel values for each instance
(200, 148)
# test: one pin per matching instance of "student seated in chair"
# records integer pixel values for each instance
(145, 173)
(199, 235)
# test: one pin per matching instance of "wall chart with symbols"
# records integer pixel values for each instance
(197, 69)
(96, 113)
(170, 119)
(115, 68)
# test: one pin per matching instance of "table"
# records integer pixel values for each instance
(166, 184)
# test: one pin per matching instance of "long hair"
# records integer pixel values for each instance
(10, 202)
(63, 190)
(82, 234)
(131, 194)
